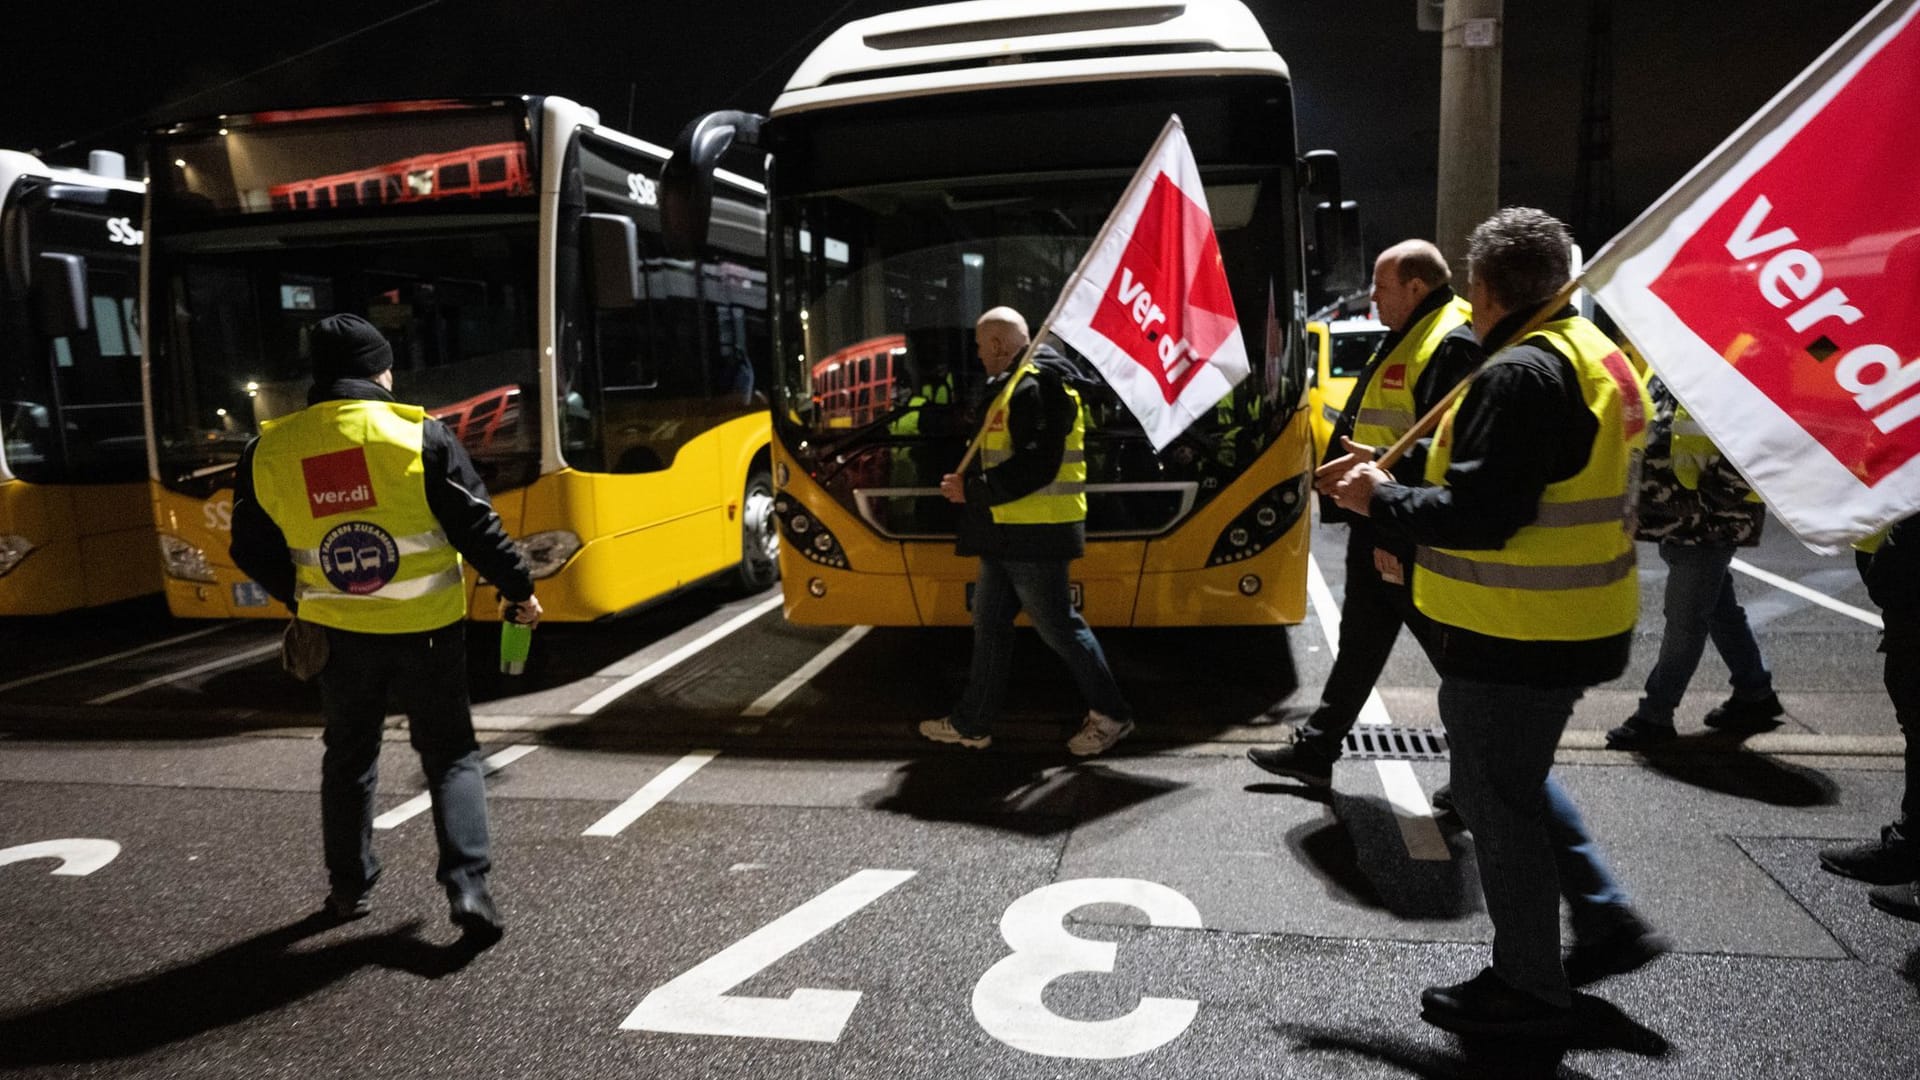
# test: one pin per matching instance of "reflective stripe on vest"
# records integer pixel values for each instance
(1568, 575)
(1386, 404)
(1065, 499)
(346, 483)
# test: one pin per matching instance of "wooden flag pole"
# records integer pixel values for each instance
(1434, 415)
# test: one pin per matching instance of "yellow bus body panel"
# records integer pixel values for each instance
(1165, 582)
(93, 544)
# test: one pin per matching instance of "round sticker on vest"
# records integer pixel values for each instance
(359, 557)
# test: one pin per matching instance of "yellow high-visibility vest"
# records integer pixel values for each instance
(346, 483)
(1569, 575)
(1065, 499)
(1387, 409)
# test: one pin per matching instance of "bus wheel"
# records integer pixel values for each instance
(759, 536)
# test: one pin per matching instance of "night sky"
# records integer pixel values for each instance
(1686, 72)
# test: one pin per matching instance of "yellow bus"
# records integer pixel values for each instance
(613, 398)
(932, 163)
(75, 529)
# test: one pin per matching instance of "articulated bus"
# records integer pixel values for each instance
(928, 164)
(75, 528)
(614, 399)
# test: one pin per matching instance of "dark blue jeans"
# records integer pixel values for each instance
(1041, 588)
(1700, 604)
(426, 674)
(1531, 846)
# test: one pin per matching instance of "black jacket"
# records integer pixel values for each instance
(1892, 577)
(1040, 416)
(455, 494)
(1523, 424)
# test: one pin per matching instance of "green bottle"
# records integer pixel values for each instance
(516, 641)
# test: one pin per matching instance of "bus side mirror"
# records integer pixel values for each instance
(1337, 240)
(60, 283)
(613, 255)
(686, 184)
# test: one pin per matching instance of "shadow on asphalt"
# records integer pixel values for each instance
(1597, 1025)
(1360, 854)
(1741, 773)
(246, 979)
(1032, 796)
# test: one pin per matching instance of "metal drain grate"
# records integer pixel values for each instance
(1376, 742)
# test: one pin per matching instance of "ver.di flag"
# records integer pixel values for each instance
(1149, 304)
(1776, 289)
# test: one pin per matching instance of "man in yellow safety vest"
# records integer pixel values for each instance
(355, 512)
(1024, 514)
(1524, 565)
(1429, 348)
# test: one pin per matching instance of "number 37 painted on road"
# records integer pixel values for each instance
(1006, 1001)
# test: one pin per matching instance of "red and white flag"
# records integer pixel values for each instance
(1776, 289)
(1149, 304)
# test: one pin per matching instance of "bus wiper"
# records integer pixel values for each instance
(861, 433)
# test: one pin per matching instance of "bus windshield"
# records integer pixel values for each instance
(458, 308)
(882, 283)
(70, 407)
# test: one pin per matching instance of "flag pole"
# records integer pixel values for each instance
(1079, 273)
(1432, 419)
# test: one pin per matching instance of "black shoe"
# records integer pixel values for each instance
(344, 907)
(1890, 860)
(1442, 800)
(1304, 759)
(1628, 947)
(476, 916)
(1486, 1005)
(1901, 901)
(1639, 734)
(1745, 713)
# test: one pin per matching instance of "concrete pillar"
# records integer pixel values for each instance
(1469, 187)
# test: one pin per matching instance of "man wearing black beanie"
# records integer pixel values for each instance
(355, 512)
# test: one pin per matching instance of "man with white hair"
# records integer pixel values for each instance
(1024, 514)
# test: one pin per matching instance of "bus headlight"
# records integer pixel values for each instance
(547, 552)
(806, 535)
(1262, 523)
(12, 550)
(184, 561)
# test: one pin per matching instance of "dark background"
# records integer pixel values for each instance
(89, 74)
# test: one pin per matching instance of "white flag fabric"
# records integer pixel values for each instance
(1776, 289)
(1149, 305)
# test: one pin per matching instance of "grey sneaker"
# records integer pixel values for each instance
(943, 731)
(1098, 734)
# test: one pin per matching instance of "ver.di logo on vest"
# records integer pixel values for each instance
(337, 482)
(359, 557)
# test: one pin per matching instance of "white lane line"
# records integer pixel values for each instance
(648, 797)
(771, 700)
(97, 661)
(632, 682)
(234, 660)
(1411, 809)
(1797, 589)
(415, 805)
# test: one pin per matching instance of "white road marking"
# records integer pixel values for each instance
(649, 796)
(234, 660)
(97, 661)
(415, 805)
(79, 856)
(1411, 809)
(1797, 589)
(771, 700)
(639, 678)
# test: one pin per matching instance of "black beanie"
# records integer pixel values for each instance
(348, 347)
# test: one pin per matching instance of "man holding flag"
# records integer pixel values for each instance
(1026, 509)
(1524, 565)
